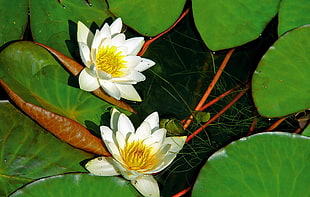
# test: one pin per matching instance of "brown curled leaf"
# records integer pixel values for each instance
(64, 128)
(75, 68)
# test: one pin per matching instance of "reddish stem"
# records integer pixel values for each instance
(218, 114)
(211, 86)
(276, 124)
(181, 193)
(149, 42)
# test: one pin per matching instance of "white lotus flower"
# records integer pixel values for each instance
(136, 155)
(111, 61)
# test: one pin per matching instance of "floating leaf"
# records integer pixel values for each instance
(148, 19)
(64, 128)
(281, 83)
(29, 152)
(78, 185)
(266, 164)
(226, 24)
(293, 14)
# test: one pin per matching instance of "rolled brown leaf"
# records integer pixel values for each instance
(75, 68)
(64, 128)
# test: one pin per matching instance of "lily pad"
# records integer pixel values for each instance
(29, 152)
(41, 80)
(280, 84)
(148, 18)
(266, 164)
(292, 14)
(225, 24)
(78, 185)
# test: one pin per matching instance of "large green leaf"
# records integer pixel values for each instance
(12, 26)
(28, 152)
(38, 78)
(229, 23)
(266, 164)
(148, 18)
(293, 14)
(281, 83)
(78, 185)
(52, 23)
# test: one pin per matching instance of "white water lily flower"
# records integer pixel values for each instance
(136, 154)
(111, 61)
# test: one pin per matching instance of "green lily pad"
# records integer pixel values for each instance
(28, 152)
(280, 84)
(306, 132)
(41, 80)
(266, 164)
(52, 23)
(292, 14)
(229, 23)
(78, 185)
(148, 18)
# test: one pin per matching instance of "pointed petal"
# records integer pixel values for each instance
(128, 92)
(110, 88)
(143, 131)
(125, 126)
(176, 143)
(102, 166)
(157, 136)
(153, 120)
(132, 78)
(118, 40)
(84, 34)
(121, 140)
(85, 53)
(114, 119)
(134, 45)
(146, 185)
(103, 75)
(132, 61)
(87, 81)
(116, 26)
(144, 64)
(107, 134)
(101, 35)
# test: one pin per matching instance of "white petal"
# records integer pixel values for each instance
(132, 61)
(121, 140)
(100, 36)
(110, 88)
(85, 53)
(107, 134)
(118, 40)
(128, 92)
(144, 64)
(143, 131)
(87, 81)
(134, 45)
(125, 126)
(116, 26)
(84, 34)
(146, 185)
(153, 120)
(132, 78)
(114, 119)
(159, 135)
(113, 149)
(102, 166)
(176, 143)
(103, 75)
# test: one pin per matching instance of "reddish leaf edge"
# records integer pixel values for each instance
(75, 68)
(63, 128)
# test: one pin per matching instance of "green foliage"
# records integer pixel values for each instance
(29, 152)
(265, 164)
(79, 185)
(280, 82)
(185, 65)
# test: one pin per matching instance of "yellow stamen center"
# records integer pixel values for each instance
(111, 61)
(137, 156)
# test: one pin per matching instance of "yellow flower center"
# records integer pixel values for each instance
(137, 156)
(111, 61)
